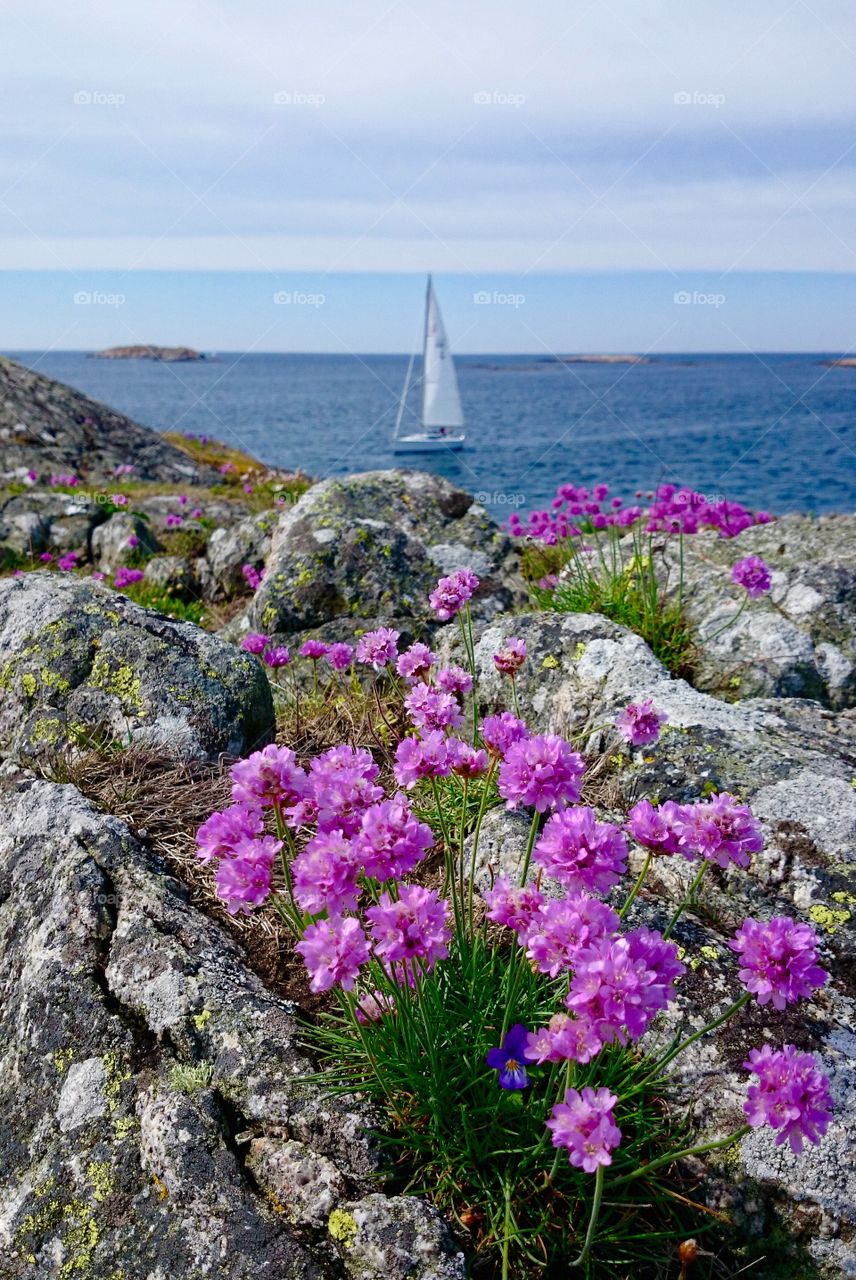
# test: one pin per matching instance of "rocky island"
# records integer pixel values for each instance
(160, 604)
(170, 355)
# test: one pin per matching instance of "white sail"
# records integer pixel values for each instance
(441, 403)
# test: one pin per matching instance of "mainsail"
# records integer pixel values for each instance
(441, 403)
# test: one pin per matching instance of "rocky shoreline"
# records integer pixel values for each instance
(157, 1112)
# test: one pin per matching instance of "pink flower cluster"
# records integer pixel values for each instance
(452, 593)
(582, 853)
(542, 771)
(753, 574)
(584, 1124)
(252, 576)
(792, 1095)
(272, 655)
(720, 830)
(672, 510)
(778, 960)
(124, 577)
(378, 648)
(639, 723)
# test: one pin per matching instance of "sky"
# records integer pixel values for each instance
(182, 163)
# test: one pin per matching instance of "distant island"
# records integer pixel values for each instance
(846, 362)
(168, 354)
(602, 359)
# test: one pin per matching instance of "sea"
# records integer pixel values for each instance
(776, 432)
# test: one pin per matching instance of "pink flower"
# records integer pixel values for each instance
(124, 577)
(243, 883)
(544, 772)
(584, 1124)
(391, 841)
(454, 680)
(791, 1095)
(431, 708)
(511, 658)
(252, 576)
(172, 520)
(564, 1039)
(753, 574)
(220, 834)
(721, 830)
(276, 656)
(378, 648)
(118, 499)
(582, 853)
(501, 732)
(451, 594)
(415, 927)
(778, 960)
(621, 983)
(425, 757)
(340, 656)
(372, 1006)
(313, 649)
(68, 562)
(46, 557)
(639, 724)
(133, 541)
(513, 907)
(563, 928)
(269, 777)
(324, 874)
(467, 762)
(415, 662)
(333, 952)
(657, 829)
(255, 642)
(343, 786)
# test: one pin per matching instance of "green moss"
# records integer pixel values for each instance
(190, 1078)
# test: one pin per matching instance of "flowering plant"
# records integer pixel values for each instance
(507, 1029)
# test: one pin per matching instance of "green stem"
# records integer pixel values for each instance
(595, 1213)
(697, 1035)
(514, 698)
(729, 623)
(533, 831)
(482, 806)
(682, 1155)
(640, 880)
(689, 899)
(463, 827)
(506, 1233)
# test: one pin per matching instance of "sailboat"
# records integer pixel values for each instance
(441, 418)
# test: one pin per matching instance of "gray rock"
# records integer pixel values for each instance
(395, 1238)
(230, 548)
(78, 661)
(216, 513)
(40, 520)
(175, 574)
(800, 640)
(51, 428)
(370, 547)
(110, 540)
(110, 983)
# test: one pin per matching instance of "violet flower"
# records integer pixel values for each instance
(509, 1057)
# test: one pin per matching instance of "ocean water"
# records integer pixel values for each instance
(775, 432)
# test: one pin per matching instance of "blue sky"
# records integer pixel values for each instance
(194, 157)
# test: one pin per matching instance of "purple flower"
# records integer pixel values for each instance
(753, 574)
(721, 830)
(243, 882)
(313, 649)
(584, 1124)
(563, 1039)
(391, 841)
(509, 1058)
(417, 758)
(413, 927)
(373, 1005)
(512, 906)
(46, 557)
(543, 771)
(333, 952)
(563, 928)
(133, 541)
(255, 642)
(511, 657)
(172, 520)
(791, 1095)
(451, 594)
(378, 648)
(431, 708)
(582, 853)
(778, 960)
(324, 874)
(342, 783)
(252, 576)
(454, 680)
(268, 777)
(656, 829)
(340, 656)
(621, 983)
(276, 656)
(124, 577)
(220, 834)
(68, 562)
(415, 662)
(467, 762)
(639, 724)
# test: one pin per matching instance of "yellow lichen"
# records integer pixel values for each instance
(829, 918)
(160, 1187)
(116, 1077)
(550, 663)
(29, 684)
(98, 1175)
(200, 1019)
(62, 1058)
(841, 896)
(579, 651)
(342, 1227)
(710, 953)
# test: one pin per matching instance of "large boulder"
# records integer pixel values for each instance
(798, 641)
(229, 548)
(114, 541)
(369, 548)
(48, 520)
(80, 663)
(50, 428)
(156, 1118)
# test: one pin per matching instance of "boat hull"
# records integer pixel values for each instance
(426, 444)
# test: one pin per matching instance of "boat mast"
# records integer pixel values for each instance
(425, 352)
(403, 401)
